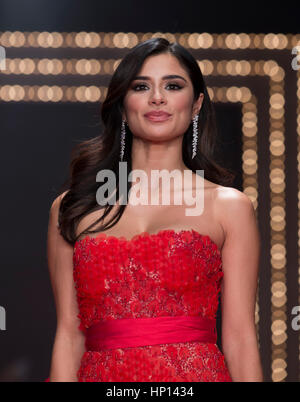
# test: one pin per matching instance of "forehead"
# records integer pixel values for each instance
(162, 64)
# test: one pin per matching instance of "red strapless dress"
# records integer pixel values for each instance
(148, 307)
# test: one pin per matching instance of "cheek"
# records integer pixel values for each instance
(134, 104)
(182, 103)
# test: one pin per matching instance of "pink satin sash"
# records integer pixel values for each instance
(132, 332)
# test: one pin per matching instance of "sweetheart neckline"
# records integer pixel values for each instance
(147, 234)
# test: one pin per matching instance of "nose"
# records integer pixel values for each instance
(157, 97)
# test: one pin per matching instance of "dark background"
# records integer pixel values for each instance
(150, 16)
(36, 148)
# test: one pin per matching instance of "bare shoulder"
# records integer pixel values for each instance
(54, 209)
(58, 199)
(233, 207)
(56, 203)
(231, 197)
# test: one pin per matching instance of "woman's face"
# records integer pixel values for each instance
(153, 91)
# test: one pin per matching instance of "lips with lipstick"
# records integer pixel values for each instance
(157, 116)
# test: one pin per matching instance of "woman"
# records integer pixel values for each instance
(137, 296)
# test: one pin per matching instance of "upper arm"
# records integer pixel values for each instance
(60, 265)
(240, 261)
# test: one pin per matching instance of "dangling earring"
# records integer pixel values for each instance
(195, 135)
(123, 133)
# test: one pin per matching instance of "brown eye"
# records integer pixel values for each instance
(141, 87)
(174, 86)
(138, 87)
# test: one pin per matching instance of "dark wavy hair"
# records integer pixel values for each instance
(102, 152)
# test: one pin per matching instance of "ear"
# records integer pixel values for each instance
(198, 104)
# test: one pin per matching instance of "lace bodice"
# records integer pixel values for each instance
(168, 273)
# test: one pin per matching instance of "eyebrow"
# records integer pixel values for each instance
(165, 77)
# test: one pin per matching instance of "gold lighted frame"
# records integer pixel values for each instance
(233, 67)
(122, 40)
